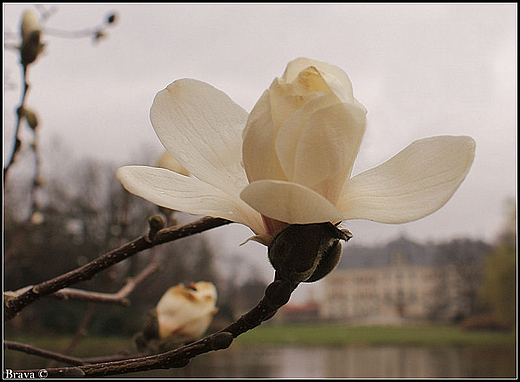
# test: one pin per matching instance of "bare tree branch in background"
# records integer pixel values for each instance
(154, 237)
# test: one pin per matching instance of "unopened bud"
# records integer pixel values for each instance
(31, 45)
(30, 24)
(156, 223)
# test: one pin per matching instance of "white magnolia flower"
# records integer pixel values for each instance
(290, 160)
(185, 313)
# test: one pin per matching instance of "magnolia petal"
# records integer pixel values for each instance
(289, 202)
(258, 153)
(177, 192)
(327, 148)
(291, 130)
(413, 184)
(336, 79)
(167, 161)
(202, 128)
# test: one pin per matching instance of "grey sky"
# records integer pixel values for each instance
(420, 70)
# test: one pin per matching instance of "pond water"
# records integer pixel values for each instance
(351, 361)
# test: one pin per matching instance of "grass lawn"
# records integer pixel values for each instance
(275, 335)
(336, 335)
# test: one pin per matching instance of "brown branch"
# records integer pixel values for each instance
(294, 261)
(89, 270)
(33, 350)
(276, 295)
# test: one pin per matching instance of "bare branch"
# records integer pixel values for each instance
(120, 298)
(16, 304)
(33, 350)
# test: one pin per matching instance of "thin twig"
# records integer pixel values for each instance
(71, 34)
(120, 298)
(33, 350)
(86, 272)
(17, 141)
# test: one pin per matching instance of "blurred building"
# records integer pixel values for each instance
(398, 283)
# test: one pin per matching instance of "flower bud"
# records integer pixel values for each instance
(184, 314)
(30, 24)
(31, 35)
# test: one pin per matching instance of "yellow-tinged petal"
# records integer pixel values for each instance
(413, 184)
(289, 202)
(178, 192)
(335, 78)
(202, 128)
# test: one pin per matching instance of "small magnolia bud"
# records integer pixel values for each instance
(156, 222)
(184, 313)
(306, 252)
(30, 24)
(31, 34)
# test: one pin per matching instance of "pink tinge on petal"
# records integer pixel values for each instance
(273, 226)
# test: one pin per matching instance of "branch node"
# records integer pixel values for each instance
(73, 372)
(221, 340)
(179, 363)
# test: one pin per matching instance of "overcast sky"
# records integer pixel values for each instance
(420, 70)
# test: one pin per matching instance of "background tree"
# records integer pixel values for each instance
(499, 287)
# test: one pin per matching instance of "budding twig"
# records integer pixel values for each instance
(320, 258)
(276, 295)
